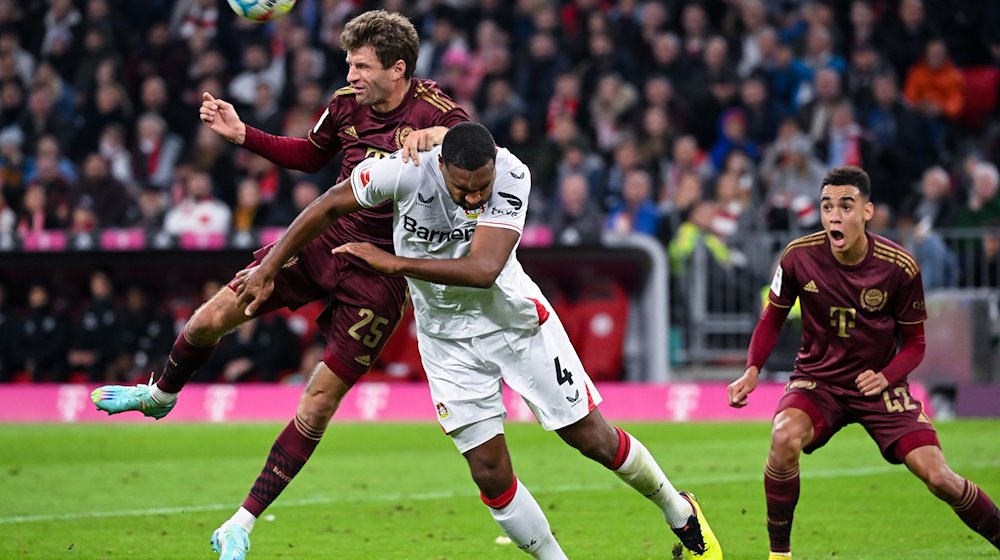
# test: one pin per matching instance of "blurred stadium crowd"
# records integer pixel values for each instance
(694, 122)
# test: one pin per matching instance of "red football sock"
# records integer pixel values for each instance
(288, 454)
(782, 491)
(979, 512)
(184, 359)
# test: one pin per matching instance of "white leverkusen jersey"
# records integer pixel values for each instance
(428, 224)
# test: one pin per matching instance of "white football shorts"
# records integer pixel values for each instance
(540, 364)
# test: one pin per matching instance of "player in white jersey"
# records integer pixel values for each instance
(481, 320)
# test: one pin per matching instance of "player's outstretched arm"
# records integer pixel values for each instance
(258, 282)
(491, 247)
(221, 117)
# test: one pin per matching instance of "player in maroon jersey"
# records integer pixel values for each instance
(858, 292)
(384, 109)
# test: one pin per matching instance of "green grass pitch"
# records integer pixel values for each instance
(401, 491)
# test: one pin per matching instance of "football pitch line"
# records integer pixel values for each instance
(682, 482)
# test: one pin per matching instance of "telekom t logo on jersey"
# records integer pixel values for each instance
(842, 318)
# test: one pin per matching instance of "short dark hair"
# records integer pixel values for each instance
(850, 175)
(468, 146)
(391, 35)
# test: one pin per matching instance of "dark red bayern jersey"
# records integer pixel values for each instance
(362, 133)
(850, 314)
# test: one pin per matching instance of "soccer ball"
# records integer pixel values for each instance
(261, 11)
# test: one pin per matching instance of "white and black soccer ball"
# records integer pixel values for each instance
(261, 11)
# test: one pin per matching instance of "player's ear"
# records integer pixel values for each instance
(869, 210)
(399, 67)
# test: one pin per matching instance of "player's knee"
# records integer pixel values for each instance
(318, 406)
(785, 441)
(209, 323)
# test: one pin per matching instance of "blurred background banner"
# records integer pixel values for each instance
(390, 402)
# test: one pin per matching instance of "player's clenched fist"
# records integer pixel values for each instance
(221, 117)
(871, 383)
(742, 387)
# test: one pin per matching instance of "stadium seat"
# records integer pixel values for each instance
(601, 319)
(981, 84)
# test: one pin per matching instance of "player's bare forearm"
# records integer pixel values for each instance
(310, 224)
(491, 247)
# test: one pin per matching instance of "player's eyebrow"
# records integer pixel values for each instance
(849, 197)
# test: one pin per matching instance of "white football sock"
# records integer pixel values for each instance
(243, 518)
(524, 522)
(161, 397)
(640, 471)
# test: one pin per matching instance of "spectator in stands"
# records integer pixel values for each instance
(935, 88)
(260, 350)
(57, 187)
(864, 31)
(44, 338)
(109, 106)
(40, 118)
(150, 209)
(536, 76)
(985, 266)
(788, 77)
(156, 152)
(99, 191)
(819, 51)
(566, 102)
(843, 143)
(866, 65)
(10, 332)
(199, 212)
(11, 103)
(611, 110)
(155, 97)
(753, 17)
(687, 160)
(658, 93)
(112, 146)
(939, 267)
(145, 330)
(502, 105)
(667, 59)
(637, 212)
(906, 37)
(34, 215)
(733, 219)
(577, 220)
(48, 147)
(762, 113)
(933, 206)
(13, 167)
(791, 173)
(627, 158)
(814, 116)
(656, 139)
(694, 232)
(901, 148)
(96, 341)
(732, 137)
(983, 207)
(577, 158)
(722, 95)
(249, 212)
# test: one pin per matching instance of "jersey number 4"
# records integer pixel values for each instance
(563, 375)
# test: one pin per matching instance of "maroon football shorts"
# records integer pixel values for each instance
(364, 310)
(894, 419)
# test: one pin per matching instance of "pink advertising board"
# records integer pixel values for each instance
(397, 402)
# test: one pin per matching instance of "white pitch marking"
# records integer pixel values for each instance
(429, 496)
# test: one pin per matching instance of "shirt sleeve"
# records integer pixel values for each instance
(910, 305)
(323, 134)
(508, 205)
(376, 180)
(784, 288)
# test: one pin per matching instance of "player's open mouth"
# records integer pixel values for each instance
(837, 237)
